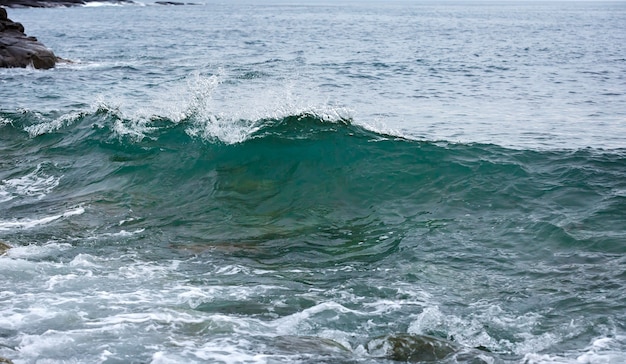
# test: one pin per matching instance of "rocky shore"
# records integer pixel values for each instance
(54, 3)
(19, 50)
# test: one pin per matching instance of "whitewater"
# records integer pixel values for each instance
(315, 182)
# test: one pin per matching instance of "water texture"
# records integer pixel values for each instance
(317, 183)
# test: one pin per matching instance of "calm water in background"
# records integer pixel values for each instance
(239, 182)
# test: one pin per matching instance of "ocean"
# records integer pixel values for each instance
(317, 182)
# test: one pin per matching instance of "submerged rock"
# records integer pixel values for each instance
(426, 349)
(3, 249)
(412, 348)
(19, 50)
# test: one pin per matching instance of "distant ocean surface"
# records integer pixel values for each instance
(314, 182)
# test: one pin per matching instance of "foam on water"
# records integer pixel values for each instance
(471, 331)
(209, 112)
(154, 303)
(31, 223)
(35, 184)
(604, 350)
(51, 126)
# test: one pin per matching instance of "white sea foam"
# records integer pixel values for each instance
(4, 195)
(124, 233)
(31, 223)
(194, 296)
(35, 184)
(84, 260)
(470, 331)
(36, 346)
(36, 313)
(604, 350)
(127, 296)
(213, 113)
(302, 321)
(215, 351)
(50, 126)
(157, 316)
(36, 251)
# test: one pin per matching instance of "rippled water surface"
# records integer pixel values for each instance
(317, 182)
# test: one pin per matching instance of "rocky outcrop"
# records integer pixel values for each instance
(39, 3)
(19, 50)
(54, 3)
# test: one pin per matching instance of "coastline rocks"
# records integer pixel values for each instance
(55, 3)
(5, 360)
(39, 3)
(19, 50)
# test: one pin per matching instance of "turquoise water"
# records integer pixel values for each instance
(308, 183)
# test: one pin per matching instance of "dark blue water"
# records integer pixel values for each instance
(317, 182)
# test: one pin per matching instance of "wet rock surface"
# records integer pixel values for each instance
(412, 348)
(54, 3)
(409, 348)
(3, 249)
(19, 50)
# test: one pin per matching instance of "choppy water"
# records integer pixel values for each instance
(280, 183)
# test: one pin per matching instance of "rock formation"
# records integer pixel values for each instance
(412, 348)
(54, 3)
(409, 348)
(19, 50)
(173, 3)
(3, 249)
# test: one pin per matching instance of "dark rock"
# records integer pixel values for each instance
(3, 249)
(54, 3)
(5, 360)
(412, 348)
(40, 3)
(427, 349)
(172, 3)
(19, 50)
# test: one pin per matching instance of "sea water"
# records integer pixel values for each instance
(308, 182)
